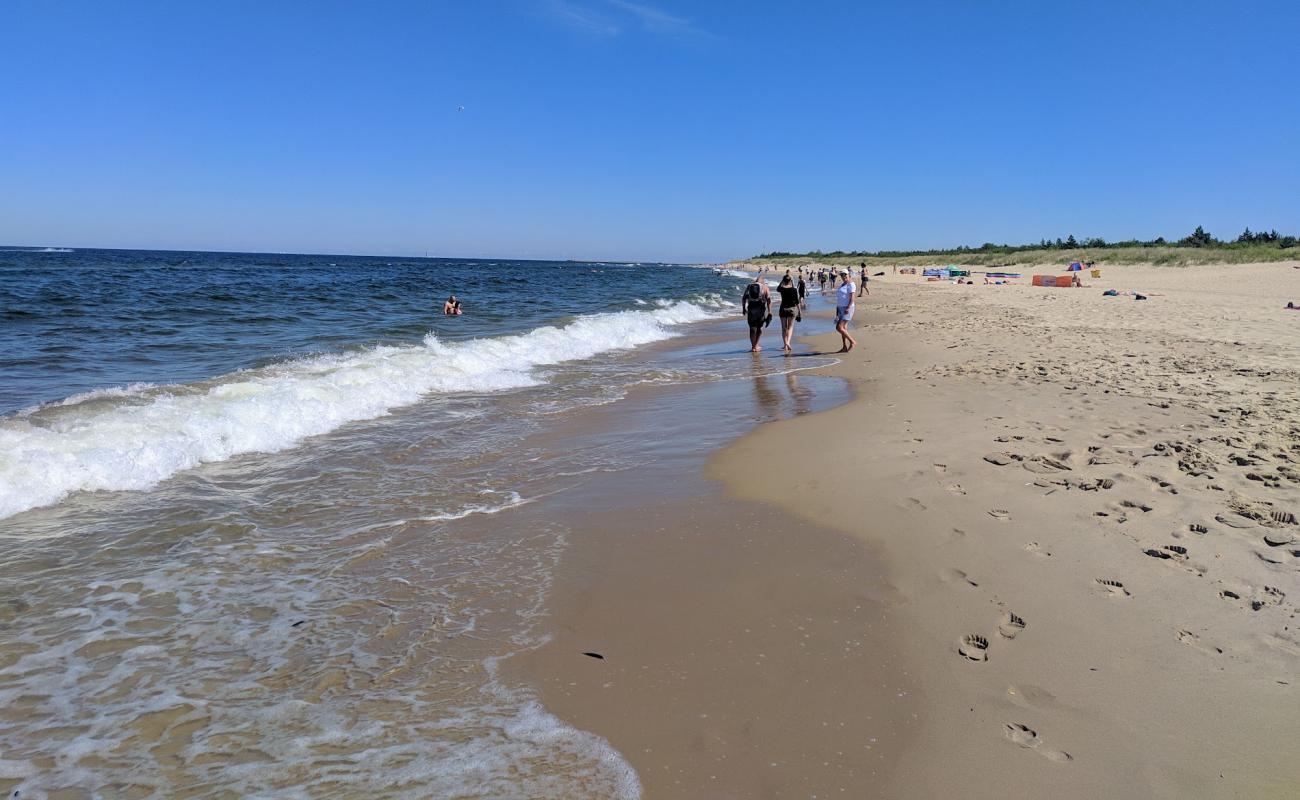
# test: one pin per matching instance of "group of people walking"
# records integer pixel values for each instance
(756, 305)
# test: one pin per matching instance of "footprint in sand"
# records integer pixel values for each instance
(1192, 640)
(1037, 549)
(951, 575)
(1169, 551)
(1271, 596)
(1028, 738)
(1112, 588)
(1230, 596)
(974, 647)
(955, 488)
(1010, 625)
(1235, 521)
(915, 505)
(999, 513)
(940, 468)
(1278, 538)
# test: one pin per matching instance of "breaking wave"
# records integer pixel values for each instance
(143, 435)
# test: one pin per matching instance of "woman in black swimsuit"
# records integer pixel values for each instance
(789, 310)
(756, 305)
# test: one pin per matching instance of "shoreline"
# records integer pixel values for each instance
(717, 620)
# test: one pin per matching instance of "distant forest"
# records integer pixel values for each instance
(1198, 238)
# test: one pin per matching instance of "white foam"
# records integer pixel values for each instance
(11, 770)
(480, 508)
(159, 432)
(129, 390)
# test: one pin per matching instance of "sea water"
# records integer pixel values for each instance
(255, 514)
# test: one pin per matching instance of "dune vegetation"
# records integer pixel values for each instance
(1199, 247)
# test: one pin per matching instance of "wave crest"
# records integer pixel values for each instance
(149, 437)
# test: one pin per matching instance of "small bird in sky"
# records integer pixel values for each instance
(460, 108)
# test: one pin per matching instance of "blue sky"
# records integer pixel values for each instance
(641, 130)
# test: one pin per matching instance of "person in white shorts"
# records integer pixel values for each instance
(844, 311)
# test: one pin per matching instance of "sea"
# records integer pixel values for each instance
(257, 512)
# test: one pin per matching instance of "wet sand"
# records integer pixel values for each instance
(719, 621)
(720, 624)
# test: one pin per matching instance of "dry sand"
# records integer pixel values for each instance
(1086, 509)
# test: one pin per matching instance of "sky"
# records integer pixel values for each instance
(658, 130)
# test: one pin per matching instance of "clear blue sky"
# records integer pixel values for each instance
(663, 129)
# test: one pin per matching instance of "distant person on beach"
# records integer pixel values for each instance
(451, 307)
(862, 287)
(844, 311)
(803, 290)
(789, 310)
(821, 279)
(756, 305)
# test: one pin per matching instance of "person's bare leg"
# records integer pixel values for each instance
(842, 327)
(787, 330)
(754, 334)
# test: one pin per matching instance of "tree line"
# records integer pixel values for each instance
(1197, 238)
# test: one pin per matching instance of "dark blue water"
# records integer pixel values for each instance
(72, 322)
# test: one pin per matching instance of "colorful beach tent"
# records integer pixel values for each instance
(1075, 267)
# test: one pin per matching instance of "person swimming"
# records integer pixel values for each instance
(451, 307)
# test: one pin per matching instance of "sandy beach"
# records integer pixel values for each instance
(1073, 521)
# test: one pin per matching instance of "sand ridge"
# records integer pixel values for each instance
(1088, 508)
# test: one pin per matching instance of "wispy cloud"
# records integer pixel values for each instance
(613, 17)
(584, 19)
(654, 19)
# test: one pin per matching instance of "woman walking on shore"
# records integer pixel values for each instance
(756, 305)
(844, 311)
(789, 310)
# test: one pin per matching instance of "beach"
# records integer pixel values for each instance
(1073, 520)
(468, 401)
(1020, 541)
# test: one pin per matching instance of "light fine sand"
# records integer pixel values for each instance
(1087, 511)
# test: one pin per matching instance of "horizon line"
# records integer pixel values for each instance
(55, 248)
